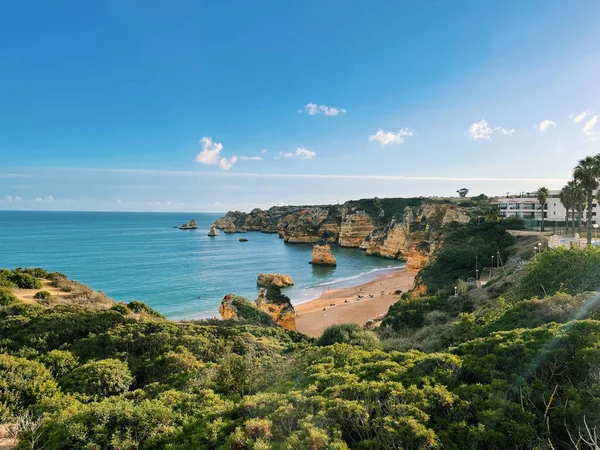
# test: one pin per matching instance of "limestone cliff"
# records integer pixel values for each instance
(235, 307)
(213, 231)
(322, 256)
(397, 228)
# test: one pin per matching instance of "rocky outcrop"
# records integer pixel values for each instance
(274, 280)
(189, 226)
(322, 256)
(273, 302)
(213, 231)
(236, 307)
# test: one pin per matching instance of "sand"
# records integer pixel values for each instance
(312, 320)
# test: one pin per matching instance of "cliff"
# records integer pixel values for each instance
(396, 228)
(273, 302)
(322, 256)
(236, 307)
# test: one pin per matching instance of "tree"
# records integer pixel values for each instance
(587, 173)
(99, 378)
(578, 201)
(462, 192)
(566, 198)
(542, 197)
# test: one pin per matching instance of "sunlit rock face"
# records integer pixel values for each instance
(322, 256)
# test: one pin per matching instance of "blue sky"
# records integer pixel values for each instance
(210, 106)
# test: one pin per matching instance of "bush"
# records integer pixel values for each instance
(120, 308)
(26, 281)
(7, 298)
(349, 333)
(42, 295)
(514, 223)
(561, 270)
(140, 307)
(23, 383)
(59, 362)
(98, 379)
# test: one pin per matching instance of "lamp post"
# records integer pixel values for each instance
(498, 259)
(534, 250)
(455, 291)
(492, 268)
(539, 247)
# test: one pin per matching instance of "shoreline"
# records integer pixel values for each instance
(314, 316)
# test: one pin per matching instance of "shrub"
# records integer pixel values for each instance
(140, 307)
(349, 333)
(23, 383)
(514, 223)
(7, 298)
(26, 281)
(561, 270)
(99, 378)
(120, 308)
(59, 362)
(42, 295)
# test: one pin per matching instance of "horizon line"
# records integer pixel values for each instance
(290, 175)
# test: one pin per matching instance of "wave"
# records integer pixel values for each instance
(354, 277)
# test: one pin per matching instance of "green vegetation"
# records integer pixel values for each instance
(488, 368)
(349, 333)
(18, 279)
(7, 298)
(42, 295)
(514, 223)
(463, 245)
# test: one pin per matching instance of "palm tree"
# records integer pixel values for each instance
(578, 201)
(566, 198)
(587, 173)
(542, 196)
(575, 198)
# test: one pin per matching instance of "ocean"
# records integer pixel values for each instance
(183, 274)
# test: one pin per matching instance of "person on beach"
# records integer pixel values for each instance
(382, 294)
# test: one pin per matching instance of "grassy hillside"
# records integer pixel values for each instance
(487, 369)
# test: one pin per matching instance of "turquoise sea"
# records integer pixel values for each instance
(182, 274)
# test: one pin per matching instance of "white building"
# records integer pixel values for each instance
(528, 207)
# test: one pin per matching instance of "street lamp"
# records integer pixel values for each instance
(498, 260)
(455, 291)
(534, 250)
(539, 247)
(492, 268)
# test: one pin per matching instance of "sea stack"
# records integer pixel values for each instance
(213, 231)
(273, 302)
(189, 226)
(322, 256)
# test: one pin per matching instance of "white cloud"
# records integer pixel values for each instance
(17, 198)
(119, 201)
(481, 130)
(300, 153)
(49, 199)
(390, 137)
(9, 198)
(545, 124)
(39, 199)
(588, 128)
(313, 109)
(579, 117)
(210, 154)
(264, 150)
(227, 164)
(250, 158)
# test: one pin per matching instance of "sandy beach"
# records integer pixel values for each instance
(312, 319)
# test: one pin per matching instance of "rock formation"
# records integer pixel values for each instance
(213, 231)
(236, 307)
(271, 306)
(397, 228)
(273, 302)
(243, 240)
(322, 256)
(189, 226)
(274, 279)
